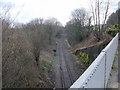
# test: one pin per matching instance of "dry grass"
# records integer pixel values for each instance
(19, 65)
(90, 41)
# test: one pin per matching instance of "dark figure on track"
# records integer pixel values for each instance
(54, 50)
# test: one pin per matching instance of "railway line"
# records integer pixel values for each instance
(65, 74)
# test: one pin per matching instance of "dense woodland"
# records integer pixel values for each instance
(28, 48)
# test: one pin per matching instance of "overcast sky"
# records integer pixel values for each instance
(60, 9)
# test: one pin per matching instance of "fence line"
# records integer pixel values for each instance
(97, 74)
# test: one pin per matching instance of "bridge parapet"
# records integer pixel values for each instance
(97, 74)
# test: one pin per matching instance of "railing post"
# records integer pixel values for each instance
(0, 54)
(105, 70)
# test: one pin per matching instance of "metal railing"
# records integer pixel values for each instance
(97, 74)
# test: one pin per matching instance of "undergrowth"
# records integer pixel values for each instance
(83, 57)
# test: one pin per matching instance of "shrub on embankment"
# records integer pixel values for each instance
(87, 54)
(20, 69)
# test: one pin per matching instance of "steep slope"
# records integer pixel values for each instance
(19, 69)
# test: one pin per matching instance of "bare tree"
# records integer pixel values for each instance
(80, 15)
(105, 15)
(52, 25)
(5, 14)
(41, 34)
(37, 36)
(99, 10)
(51, 21)
(77, 27)
(5, 9)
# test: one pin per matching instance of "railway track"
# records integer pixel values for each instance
(65, 73)
(67, 64)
